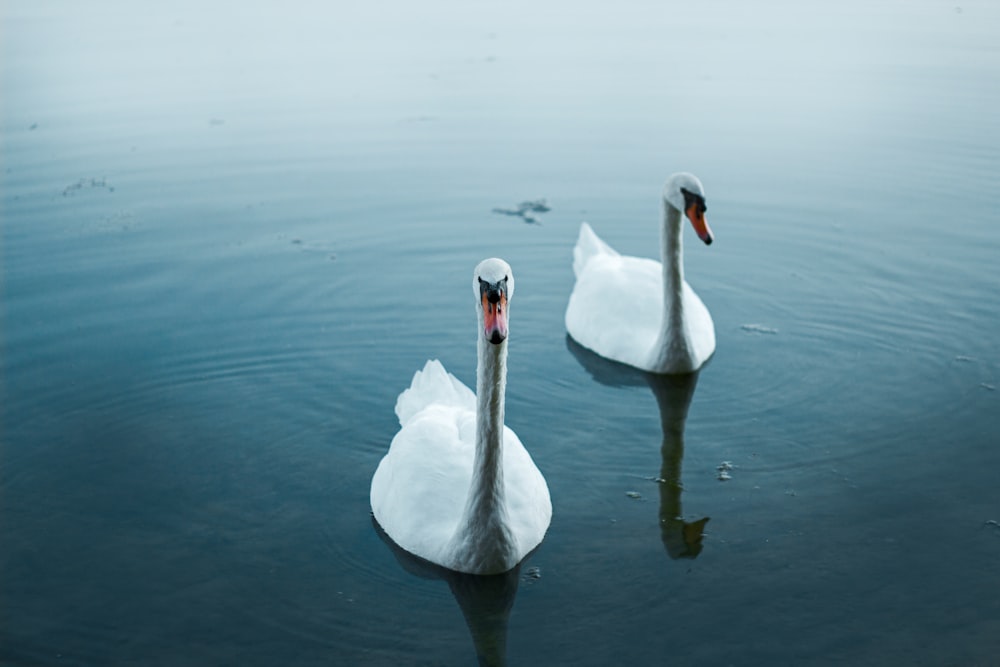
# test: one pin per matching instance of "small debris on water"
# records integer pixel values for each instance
(724, 469)
(526, 210)
(633, 494)
(964, 357)
(987, 386)
(758, 329)
(73, 188)
(119, 221)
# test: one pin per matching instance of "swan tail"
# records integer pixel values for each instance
(588, 245)
(432, 384)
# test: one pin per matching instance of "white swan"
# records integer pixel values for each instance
(457, 487)
(638, 311)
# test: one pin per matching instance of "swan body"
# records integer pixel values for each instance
(638, 311)
(457, 487)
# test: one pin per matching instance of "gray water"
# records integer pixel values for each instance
(229, 238)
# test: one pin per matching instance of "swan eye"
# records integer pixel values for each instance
(493, 293)
(691, 199)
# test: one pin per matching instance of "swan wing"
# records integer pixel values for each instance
(529, 507)
(433, 385)
(616, 307)
(699, 325)
(419, 489)
(589, 245)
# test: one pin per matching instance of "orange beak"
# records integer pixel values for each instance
(696, 215)
(495, 319)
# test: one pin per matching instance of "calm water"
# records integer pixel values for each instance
(229, 239)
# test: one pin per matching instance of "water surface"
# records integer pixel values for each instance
(229, 238)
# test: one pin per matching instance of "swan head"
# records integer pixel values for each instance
(685, 193)
(493, 285)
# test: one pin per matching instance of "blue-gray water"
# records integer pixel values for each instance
(228, 239)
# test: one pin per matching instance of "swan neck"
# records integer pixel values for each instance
(491, 382)
(672, 351)
(672, 254)
(483, 542)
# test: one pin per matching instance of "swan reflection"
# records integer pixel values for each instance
(485, 600)
(682, 539)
